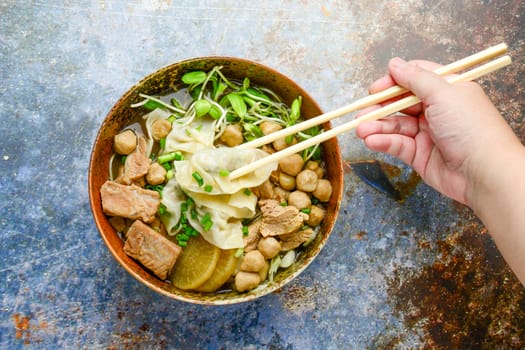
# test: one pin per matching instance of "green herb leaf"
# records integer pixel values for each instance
(195, 77)
(218, 89)
(238, 104)
(246, 83)
(195, 92)
(215, 112)
(295, 112)
(202, 107)
(253, 130)
(176, 103)
(257, 93)
(151, 105)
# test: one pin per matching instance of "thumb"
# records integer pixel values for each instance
(422, 83)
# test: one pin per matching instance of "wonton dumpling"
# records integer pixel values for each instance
(238, 205)
(191, 138)
(210, 162)
(172, 199)
(150, 118)
(224, 233)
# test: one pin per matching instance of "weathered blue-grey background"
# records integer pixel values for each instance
(392, 275)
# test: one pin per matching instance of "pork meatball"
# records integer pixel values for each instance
(306, 180)
(160, 128)
(156, 174)
(292, 165)
(125, 142)
(300, 200)
(323, 191)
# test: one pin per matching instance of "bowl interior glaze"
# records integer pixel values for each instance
(158, 83)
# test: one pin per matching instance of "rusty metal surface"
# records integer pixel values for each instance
(417, 273)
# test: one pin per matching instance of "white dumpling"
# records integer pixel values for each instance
(172, 199)
(209, 163)
(191, 138)
(150, 118)
(224, 233)
(238, 205)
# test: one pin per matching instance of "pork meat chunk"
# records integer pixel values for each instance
(278, 220)
(137, 163)
(151, 249)
(130, 202)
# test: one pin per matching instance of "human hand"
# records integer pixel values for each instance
(448, 139)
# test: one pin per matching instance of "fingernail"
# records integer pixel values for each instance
(398, 62)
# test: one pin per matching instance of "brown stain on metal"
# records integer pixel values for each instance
(24, 328)
(296, 297)
(469, 298)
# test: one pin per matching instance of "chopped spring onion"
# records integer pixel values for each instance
(162, 143)
(169, 174)
(193, 213)
(245, 231)
(238, 253)
(167, 166)
(206, 222)
(208, 188)
(198, 178)
(247, 191)
(224, 172)
(306, 210)
(168, 157)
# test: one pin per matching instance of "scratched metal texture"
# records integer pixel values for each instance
(418, 274)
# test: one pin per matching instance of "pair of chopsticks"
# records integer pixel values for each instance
(379, 97)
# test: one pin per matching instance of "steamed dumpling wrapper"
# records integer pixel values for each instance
(225, 233)
(226, 211)
(237, 205)
(172, 199)
(191, 138)
(209, 163)
(150, 118)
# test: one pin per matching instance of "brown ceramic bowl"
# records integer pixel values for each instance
(156, 84)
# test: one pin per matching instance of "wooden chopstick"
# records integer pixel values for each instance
(394, 107)
(382, 96)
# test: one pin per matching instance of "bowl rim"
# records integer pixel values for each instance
(276, 286)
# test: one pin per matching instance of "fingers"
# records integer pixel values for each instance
(402, 125)
(415, 78)
(399, 146)
(388, 81)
